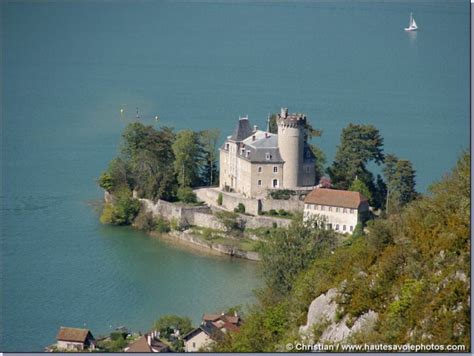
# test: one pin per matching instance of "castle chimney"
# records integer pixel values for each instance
(253, 138)
(284, 112)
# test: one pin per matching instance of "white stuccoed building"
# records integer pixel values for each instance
(342, 209)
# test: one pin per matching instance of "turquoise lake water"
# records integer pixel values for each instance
(68, 67)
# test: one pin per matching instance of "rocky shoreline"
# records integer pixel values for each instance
(189, 239)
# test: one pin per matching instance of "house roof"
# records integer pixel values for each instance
(207, 327)
(334, 197)
(243, 130)
(141, 345)
(72, 334)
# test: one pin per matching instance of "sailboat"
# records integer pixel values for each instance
(411, 24)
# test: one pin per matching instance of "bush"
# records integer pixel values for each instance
(123, 211)
(228, 219)
(272, 212)
(282, 194)
(174, 224)
(107, 214)
(240, 208)
(220, 197)
(186, 195)
(105, 181)
(162, 225)
(358, 230)
(145, 221)
(282, 212)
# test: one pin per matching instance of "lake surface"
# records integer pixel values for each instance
(68, 67)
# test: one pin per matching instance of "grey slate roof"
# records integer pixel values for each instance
(242, 131)
(265, 143)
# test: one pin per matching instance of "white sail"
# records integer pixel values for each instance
(411, 24)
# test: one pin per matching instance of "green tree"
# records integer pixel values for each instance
(400, 177)
(105, 181)
(150, 157)
(273, 126)
(287, 252)
(359, 145)
(210, 172)
(186, 195)
(168, 323)
(320, 161)
(122, 211)
(359, 186)
(188, 157)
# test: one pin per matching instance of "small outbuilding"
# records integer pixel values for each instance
(75, 339)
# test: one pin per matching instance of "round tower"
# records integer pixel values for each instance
(291, 131)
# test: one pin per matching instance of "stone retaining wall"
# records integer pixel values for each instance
(188, 237)
(252, 206)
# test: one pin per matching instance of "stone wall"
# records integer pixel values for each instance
(293, 205)
(202, 216)
(187, 236)
(231, 200)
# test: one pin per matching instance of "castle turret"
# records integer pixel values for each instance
(291, 140)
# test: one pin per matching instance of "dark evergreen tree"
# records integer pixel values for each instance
(359, 145)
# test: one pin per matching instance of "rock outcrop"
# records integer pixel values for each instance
(322, 313)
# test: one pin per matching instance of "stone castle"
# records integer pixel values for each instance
(253, 162)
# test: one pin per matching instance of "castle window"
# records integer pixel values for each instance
(259, 182)
(330, 208)
(351, 228)
(337, 210)
(344, 227)
(275, 183)
(329, 226)
(247, 154)
(345, 211)
(242, 151)
(268, 156)
(275, 169)
(337, 227)
(352, 211)
(259, 169)
(227, 146)
(322, 208)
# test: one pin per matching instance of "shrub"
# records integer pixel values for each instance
(123, 211)
(240, 208)
(174, 224)
(107, 214)
(145, 221)
(272, 212)
(282, 194)
(186, 195)
(282, 212)
(105, 181)
(228, 219)
(358, 230)
(162, 225)
(220, 197)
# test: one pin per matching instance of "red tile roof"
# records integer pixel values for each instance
(334, 197)
(140, 345)
(72, 334)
